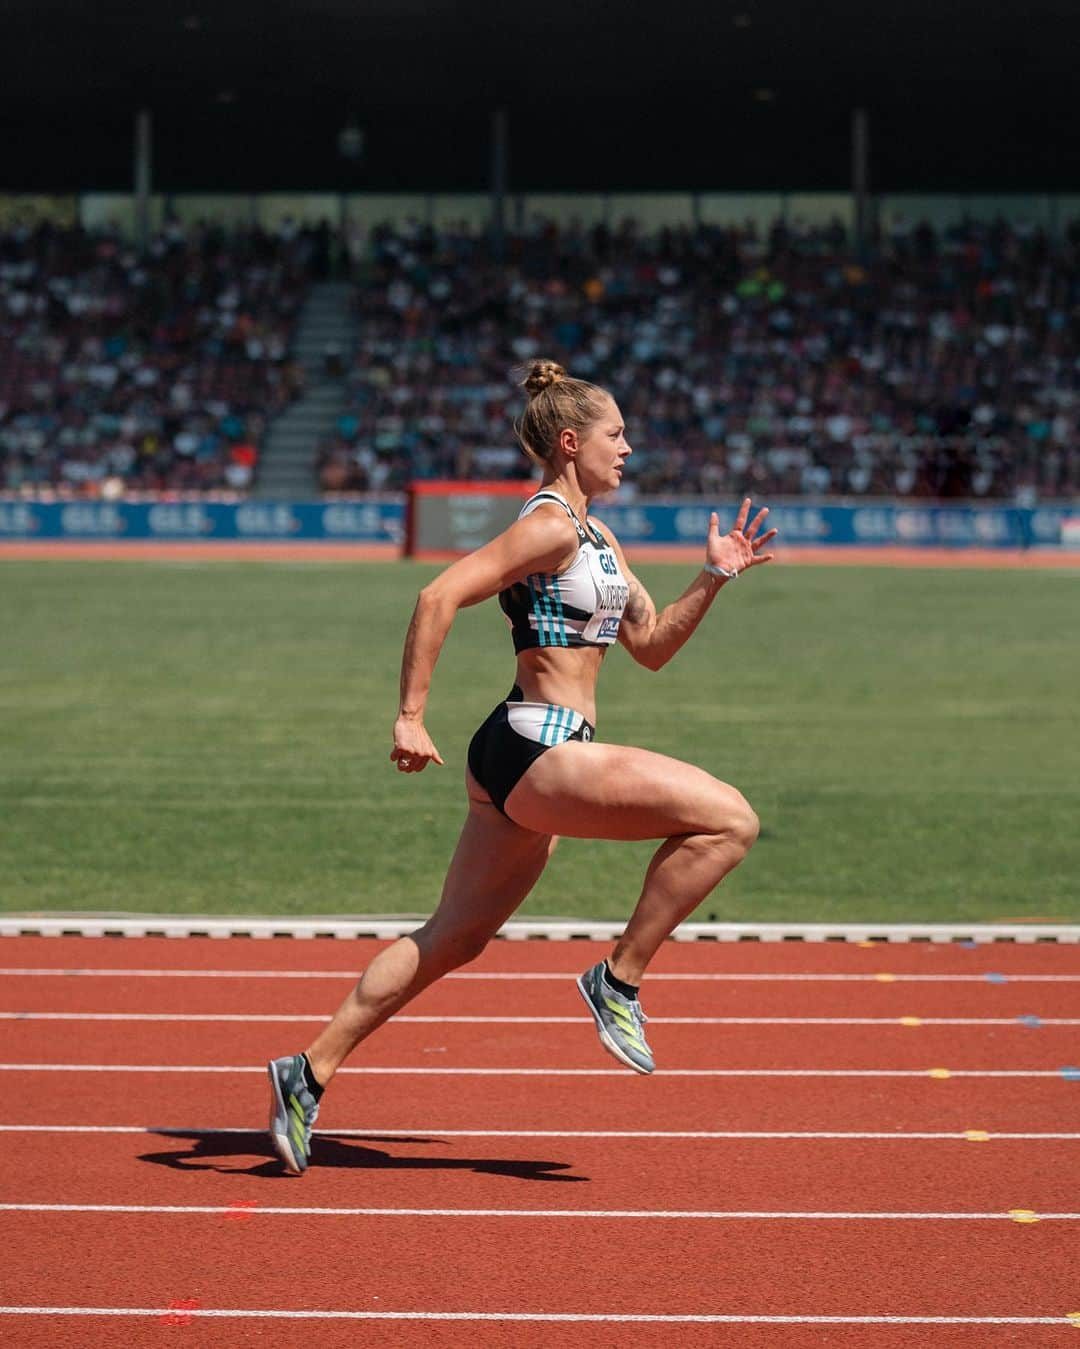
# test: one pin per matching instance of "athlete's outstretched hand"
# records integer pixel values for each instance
(413, 748)
(742, 547)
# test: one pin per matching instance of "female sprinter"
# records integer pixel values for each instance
(535, 770)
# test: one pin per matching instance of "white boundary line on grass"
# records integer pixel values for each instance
(97, 925)
(426, 1135)
(244, 1018)
(518, 976)
(201, 1068)
(627, 1318)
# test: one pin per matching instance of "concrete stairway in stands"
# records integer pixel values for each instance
(287, 468)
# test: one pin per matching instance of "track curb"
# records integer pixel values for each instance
(582, 929)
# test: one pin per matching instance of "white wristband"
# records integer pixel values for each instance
(714, 570)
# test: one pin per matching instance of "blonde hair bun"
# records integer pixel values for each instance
(570, 404)
(542, 375)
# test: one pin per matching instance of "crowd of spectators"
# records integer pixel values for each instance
(934, 364)
(122, 372)
(926, 364)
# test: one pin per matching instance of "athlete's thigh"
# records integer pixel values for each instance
(620, 792)
(495, 865)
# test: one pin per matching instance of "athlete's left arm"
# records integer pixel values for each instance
(653, 638)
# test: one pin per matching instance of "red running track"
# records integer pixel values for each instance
(238, 1257)
(664, 998)
(176, 1327)
(425, 1169)
(117, 550)
(698, 957)
(434, 1047)
(424, 1105)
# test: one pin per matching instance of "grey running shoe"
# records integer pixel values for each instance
(293, 1111)
(618, 1020)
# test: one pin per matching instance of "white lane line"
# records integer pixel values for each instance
(429, 1134)
(315, 1017)
(536, 1072)
(735, 1215)
(561, 975)
(631, 1318)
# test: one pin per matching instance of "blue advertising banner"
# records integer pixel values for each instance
(380, 520)
(666, 522)
(881, 523)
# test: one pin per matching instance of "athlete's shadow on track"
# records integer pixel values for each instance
(214, 1152)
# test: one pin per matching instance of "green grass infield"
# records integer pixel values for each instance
(214, 738)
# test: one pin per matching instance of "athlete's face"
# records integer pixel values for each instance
(602, 451)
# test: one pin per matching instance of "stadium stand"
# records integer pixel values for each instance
(937, 365)
(152, 373)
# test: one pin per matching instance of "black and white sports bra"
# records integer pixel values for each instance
(581, 606)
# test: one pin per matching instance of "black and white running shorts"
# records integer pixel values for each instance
(515, 735)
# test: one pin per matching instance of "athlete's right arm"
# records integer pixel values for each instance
(542, 542)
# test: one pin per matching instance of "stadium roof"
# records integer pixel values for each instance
(732, 94)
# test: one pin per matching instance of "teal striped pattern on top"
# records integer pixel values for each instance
(548, 610)
(558, 725)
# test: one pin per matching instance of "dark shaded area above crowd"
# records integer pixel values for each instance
(929, 364)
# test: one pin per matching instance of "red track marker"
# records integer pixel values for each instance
(179, 1313)
(240, 1212)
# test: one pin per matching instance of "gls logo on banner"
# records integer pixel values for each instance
(608, 565)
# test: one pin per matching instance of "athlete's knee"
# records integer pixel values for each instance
(745, 825)
(467, 946)
(734, 819)
(448, 948)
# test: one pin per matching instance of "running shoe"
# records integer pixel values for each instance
(618, 1020)
(293, 1111)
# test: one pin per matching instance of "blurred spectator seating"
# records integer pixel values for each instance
(158, 373)
(935, 365)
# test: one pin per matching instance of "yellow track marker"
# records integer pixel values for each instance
(911, 1021)
(1073, 1319)
(976, 1135)
(1023, 1215)
(940, 1073)
(867, 945)
(885, 978)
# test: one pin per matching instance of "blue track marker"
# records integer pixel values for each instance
(996, 979)
(1071, 1074)
(968, 945)
(1029, 1020)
